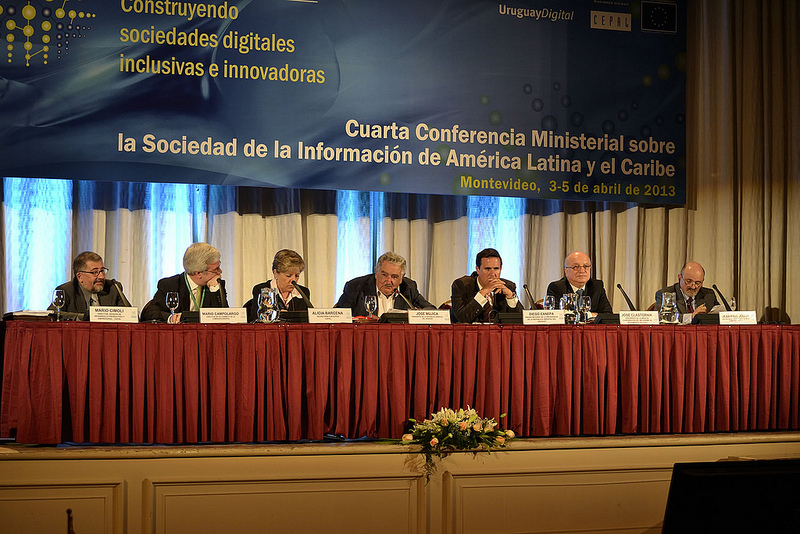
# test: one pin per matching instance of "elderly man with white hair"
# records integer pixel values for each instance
(199, 286)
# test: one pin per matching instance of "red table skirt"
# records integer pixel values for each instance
(147, 383)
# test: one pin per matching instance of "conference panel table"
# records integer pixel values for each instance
(194, 383)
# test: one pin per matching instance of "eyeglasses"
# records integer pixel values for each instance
(692, 283)
(579, 267)
(95, 272)
(218, 270)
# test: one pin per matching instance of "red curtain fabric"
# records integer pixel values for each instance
(144, 383)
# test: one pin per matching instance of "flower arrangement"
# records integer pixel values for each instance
(449, 430)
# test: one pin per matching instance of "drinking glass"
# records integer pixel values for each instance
(172, 304)
(668, 314)
(59, 299)
(371, 303)
(268, 305)
(549, 302)
(586, 308)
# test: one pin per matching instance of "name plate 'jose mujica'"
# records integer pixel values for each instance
(428, 317)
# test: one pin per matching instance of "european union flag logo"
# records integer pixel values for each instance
(660, 17)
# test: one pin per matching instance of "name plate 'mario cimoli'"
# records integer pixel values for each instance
(113, 314)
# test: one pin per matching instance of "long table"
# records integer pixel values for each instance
(156, 383)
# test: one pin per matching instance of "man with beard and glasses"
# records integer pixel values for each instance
(89, 287)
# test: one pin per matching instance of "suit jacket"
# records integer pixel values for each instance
(463, 306)
(356, 289)
(156, 309)
(75, 302)
(704, 296)
(296, 304)
(594, 288)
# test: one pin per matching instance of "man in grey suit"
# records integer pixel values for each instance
(690, 295)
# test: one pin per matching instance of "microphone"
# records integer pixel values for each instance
(627, 299)
(223, 293)
(724, 300)
(121, 294)
(530, 297)
(410, 306)
(302, 294)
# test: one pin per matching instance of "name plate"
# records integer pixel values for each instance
(638, 317)
(223, 315)
(737, 317)
(330, 315)
(534, 317)
(428, 316)
(113, 314)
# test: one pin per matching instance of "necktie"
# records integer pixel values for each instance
(580, 294)
(196, 300)
(487, 309)
(93, 300)
(689, 306)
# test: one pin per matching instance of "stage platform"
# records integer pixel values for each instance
(574, 484)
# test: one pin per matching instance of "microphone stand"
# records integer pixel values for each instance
(410, 306)
(530, 297)
(724, 300)
(628, 300)
(302, 294)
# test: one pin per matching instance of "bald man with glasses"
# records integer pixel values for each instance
(690, 295)
(578, 279)
(89, 287)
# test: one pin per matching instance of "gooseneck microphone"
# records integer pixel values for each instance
(627, 299)
(410, 306)
(302, 294)
(724, 300)
(530, 297)
(121, 294)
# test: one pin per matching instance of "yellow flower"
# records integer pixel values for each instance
(501, 440)
(407, 437)
(510, 434)
(462, 425)
(477, 427)
(434, 441)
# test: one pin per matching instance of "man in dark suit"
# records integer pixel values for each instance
(480, 296)
(388, 284)
(199, 286)
(89, 287)
(690, 295)
(578, 279)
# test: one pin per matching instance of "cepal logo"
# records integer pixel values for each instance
(608, 20)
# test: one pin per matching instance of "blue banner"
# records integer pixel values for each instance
(570, 99)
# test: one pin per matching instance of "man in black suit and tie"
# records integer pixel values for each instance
(578, 279)
(690, 295)
(388, 284)
(480, 296)
(89, 287)
(199, 286)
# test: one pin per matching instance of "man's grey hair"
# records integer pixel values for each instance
(391, 257)
(80, 261)
(198, 257)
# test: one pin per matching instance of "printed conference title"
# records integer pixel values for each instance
(448, 156)
(244, 44)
